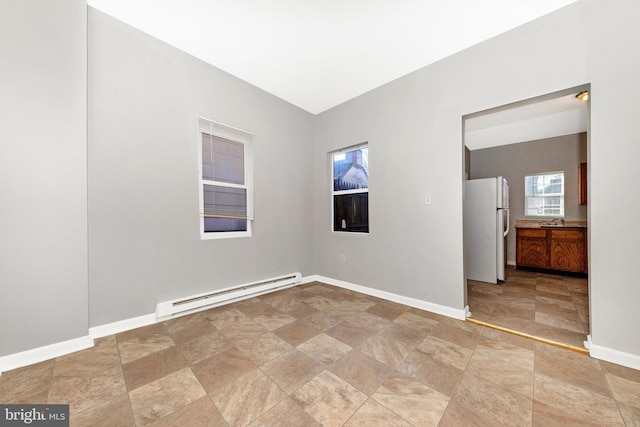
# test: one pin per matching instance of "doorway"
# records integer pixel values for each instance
(549, 133)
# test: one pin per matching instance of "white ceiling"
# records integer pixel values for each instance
(564, 115)
(317, 54)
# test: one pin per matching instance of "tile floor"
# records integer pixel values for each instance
(320, 355)
(549, 306)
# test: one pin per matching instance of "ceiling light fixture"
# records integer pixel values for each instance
(583, 96)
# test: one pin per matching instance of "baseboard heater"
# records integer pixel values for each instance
(179, 307)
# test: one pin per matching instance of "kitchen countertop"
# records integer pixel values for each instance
(534, 223)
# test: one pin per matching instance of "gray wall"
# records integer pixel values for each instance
(414, 129)
(144, 242)
(514, 161)
(43, 173)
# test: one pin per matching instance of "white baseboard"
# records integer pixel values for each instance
(122, 325)
(40, 354)
(614, 356)
(412, 302)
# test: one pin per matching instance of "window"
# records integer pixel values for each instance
(351, 189)
(544, 194)
(226, 180)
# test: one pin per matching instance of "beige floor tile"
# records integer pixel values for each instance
(387, 310)
(630, 414)
(202, 412)
(361, 371)
(417, 322)
(506, 376)
(372, 413)
(412, 400)
(560, 335)
(463, 334)
(89, 377)
(263, 348)
(515, 340)
(26, 385)
(247, 398)
(514, 323)
(155, 366)
(205, 346)
(445, 351)
(187, 328)
(549, 305)
(320, 321)
(285, 413)
(292, 369)
(563, 402)
(367, 320)
(505, 308)
(385, 350)
(492, 402)
(447, 372)
(569, 321)
(143, 342)
(217, 371)
(457, 415)
(625, 390)
(350, 333)
(165, 396)
(274, 320)
(296, 332)
(506, 352)
(438, 375)
(223, 319)
(328, 399)
(115, 412)
(245, 329)
(570, 367)
(324, 349)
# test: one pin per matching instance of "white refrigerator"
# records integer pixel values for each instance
(486, 225)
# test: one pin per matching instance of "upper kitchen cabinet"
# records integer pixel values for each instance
(582, 184)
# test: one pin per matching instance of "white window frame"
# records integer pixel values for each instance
(561, 195)
(342, 192)
(246, 139)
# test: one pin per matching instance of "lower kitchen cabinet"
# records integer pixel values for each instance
(561, 248)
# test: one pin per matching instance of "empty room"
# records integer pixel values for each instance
(189, 234)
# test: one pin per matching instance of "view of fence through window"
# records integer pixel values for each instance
(544, 194)
(351, 190)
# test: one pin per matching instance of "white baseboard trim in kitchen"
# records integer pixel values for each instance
(122, 325)
(40, 354)
(614, 356)
(412, 302)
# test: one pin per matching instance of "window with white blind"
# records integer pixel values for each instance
(226, 180)
(544, 194)
(351, 189)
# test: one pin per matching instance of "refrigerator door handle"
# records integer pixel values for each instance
(506, 225)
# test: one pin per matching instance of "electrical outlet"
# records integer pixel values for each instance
(343, 258)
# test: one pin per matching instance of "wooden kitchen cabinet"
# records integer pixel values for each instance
(554, 248)
(568, 250)
(532, 249)
(582, 184)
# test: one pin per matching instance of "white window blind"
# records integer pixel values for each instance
(226, 178)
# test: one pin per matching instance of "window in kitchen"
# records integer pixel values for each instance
(226, 180)
(350, 193)
(544, 194)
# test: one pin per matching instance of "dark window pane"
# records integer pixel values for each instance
(224, 224)
(351, 212)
